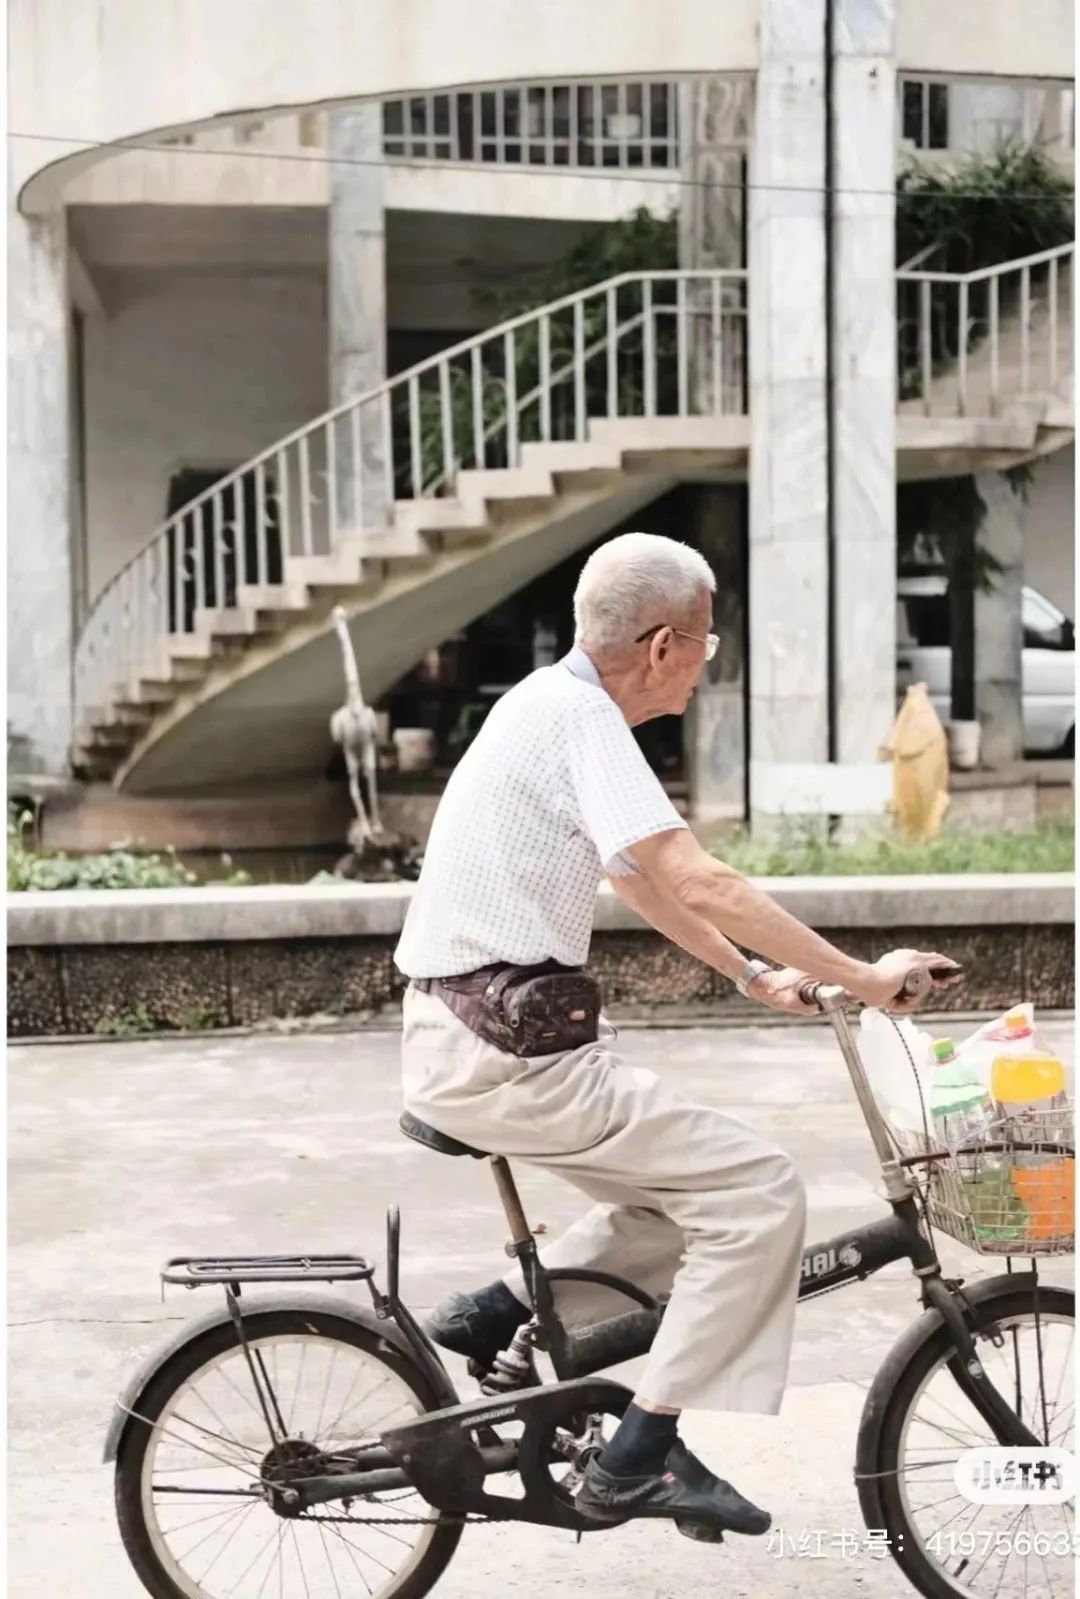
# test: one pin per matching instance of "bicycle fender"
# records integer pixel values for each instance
(881, 1389)
(387, 1331)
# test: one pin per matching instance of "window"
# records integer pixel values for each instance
(925, 113)
(1045, 628)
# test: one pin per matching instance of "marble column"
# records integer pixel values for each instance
(999, 626)
(788, 578)
(715, 726)
(357, 307)
(714, 132)
(39, 552)
(864, 386)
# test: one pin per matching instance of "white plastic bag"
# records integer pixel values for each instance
(900, 1078)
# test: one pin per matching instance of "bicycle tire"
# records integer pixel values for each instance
(881, 1498)
(184, 1364)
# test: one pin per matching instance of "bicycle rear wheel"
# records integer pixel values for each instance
(192, 1516)
(949, 1546)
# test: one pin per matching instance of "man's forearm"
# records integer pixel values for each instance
(739, 910)
(695, 933)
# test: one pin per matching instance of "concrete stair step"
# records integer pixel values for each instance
(493, 484)
(228, 620)
(273, 598)
(568, 458)
(439, 516)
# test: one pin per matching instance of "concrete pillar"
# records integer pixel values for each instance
(39, 614)
(714, 128)
(788, 579)
(999, 627)
(357, 305)
(864, 387)
(715, 727)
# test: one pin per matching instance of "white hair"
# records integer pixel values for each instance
(633, 582)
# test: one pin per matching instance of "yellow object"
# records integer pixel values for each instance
(1028, 1083)
(1027, 1079)
(919, 752)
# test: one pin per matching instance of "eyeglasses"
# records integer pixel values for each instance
(711, 641)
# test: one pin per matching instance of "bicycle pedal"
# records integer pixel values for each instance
(700, 1531)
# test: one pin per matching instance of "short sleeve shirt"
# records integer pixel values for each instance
(543, 804)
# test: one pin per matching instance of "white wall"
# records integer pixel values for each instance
(1050, 530)
(199, 371)
(115, 69)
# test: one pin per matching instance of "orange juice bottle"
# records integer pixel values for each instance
(1028, 1085)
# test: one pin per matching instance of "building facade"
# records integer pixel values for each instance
(263, 362)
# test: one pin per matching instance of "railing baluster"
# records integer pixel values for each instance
(573, 154)
(281, 460)
(549, 124)
(218, 503)
(446, 409)
(500, 127)
(510, 378)
(545, 378)
(579, 370)
(961, 393)
(199, 568)
(621, 113)
(681, 352)
(262, 556)
(646, 124)
(717, 330)
(307, 543)
(429, 125)
(648, 346)
(995, 344)
(1025, 327)
(356, 442)
(178, 574)
(598, 126)
(386, 422)
(415, 469)
(476, 378)
(330, 429)
(477, 127)
(240, 526)
(926, 342)
(611, 298)
(1052, 287)
(672, 124)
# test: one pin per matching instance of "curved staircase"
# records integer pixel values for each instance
(210, 658)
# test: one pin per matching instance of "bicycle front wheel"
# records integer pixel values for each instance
(192, 1514)
(949, 1546)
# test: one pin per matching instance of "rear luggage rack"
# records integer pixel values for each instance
(191, 1271)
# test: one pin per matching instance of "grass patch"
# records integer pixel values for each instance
(806, 851)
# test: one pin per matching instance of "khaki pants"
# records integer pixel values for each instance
(688, 1199)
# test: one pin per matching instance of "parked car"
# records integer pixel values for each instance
(923, 656)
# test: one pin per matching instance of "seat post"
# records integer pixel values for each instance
(520, 1232)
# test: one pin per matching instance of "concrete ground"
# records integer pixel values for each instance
(124, 1153)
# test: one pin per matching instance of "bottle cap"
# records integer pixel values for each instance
(1017, 1024)
(943, 1049)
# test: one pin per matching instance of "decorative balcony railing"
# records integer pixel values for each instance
(618, 125)
(971, 344)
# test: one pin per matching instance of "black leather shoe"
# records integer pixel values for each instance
(701, 1505)
(465, 1327)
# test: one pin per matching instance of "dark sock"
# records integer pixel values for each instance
(505, 1309)
(640, 1443)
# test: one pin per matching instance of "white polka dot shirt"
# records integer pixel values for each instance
(542, 805)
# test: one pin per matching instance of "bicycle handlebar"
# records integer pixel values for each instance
(917, 984)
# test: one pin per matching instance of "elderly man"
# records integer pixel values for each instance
(553, 795)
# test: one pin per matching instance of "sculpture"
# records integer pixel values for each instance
(353, 727)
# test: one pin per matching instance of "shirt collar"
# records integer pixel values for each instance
(580, 664)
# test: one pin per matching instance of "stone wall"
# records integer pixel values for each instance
(76, 988)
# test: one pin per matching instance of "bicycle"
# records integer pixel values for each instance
(395, 1455)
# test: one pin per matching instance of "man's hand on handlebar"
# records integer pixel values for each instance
(781, 991)
(884, 981)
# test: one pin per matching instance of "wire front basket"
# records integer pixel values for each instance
(1007, 1187)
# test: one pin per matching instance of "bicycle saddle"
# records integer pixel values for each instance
(414, 1128)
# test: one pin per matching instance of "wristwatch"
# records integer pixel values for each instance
(750, 971)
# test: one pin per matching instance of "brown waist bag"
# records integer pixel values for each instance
(525, 1010)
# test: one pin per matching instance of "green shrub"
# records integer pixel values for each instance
(129, 1024)
(31, 870)
(804, 850)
